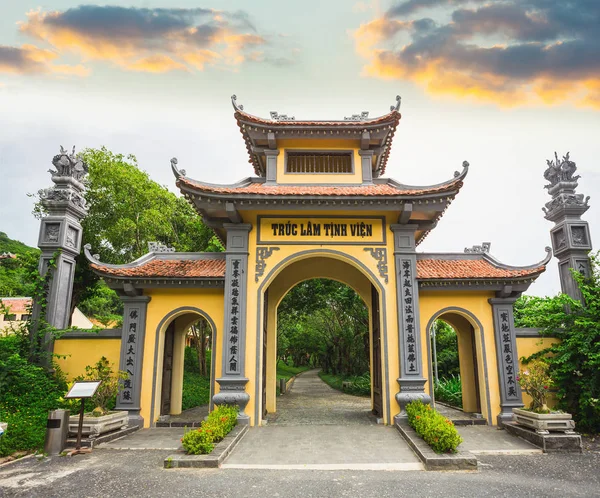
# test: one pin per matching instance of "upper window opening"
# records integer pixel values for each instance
(319, 162)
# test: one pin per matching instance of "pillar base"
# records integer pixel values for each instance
(233, 392)
(506, 414)
(411, 389)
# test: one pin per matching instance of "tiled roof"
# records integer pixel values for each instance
(457, 269)
(376, 190)
(390, 119)
(16, 304)
(168, 268)
(427, 269)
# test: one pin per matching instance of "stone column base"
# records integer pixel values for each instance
(233, 392)
(506, 413)
(411, 389)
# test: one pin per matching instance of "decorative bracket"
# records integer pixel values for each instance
(380, 255)
(262, 254)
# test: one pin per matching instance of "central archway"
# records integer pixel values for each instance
(306, 265)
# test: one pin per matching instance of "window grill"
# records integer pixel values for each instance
(314, 162)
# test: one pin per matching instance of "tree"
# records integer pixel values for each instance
(446, 344)
(126, 210)
(575, 360)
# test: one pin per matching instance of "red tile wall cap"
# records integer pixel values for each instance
(164, 265)
(473, 267)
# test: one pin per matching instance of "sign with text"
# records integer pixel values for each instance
(354, 230)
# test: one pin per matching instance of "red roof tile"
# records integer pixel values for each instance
(16, 304)
(169, 268)
(376, 190)
(456, 269)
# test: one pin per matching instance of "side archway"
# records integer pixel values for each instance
(182, 318)
(467, 327)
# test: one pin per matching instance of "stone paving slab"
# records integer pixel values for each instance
(339, 446)
(483, 439)
(157, 438)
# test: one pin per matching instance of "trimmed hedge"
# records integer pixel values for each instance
(435, 429)
(217, 425)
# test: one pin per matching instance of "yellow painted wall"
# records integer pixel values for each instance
(346, 251)
(432, 302)
(162, 303)
(526, 346)
(314, 144)
(79, 353)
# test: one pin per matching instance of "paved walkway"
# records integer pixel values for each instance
(317, 427)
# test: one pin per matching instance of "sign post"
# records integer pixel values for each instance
(82, 390)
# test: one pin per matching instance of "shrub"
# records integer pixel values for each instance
(535, 381)
(196, 390)
(435, 429)
(217, 425)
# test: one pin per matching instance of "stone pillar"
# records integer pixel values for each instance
(271, 173)
(507, 356)
(411, 379)
(571, 235)
(133, 336)
(60, 231)
(366, 163)
(233, 381)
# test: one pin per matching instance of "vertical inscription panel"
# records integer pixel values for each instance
(130, 349)
(408, 302)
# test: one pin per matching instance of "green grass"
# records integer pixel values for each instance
(449, 390)
(287, 371)
(360, 385)
(196, 390)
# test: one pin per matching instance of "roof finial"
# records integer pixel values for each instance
(396, 107)
(275, 116)
(177, 172)
(235, 104)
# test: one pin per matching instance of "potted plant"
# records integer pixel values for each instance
(536, 382)
(100, 420)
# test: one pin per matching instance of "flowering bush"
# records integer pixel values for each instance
(217, 425)
(435, 429)
(535, 380)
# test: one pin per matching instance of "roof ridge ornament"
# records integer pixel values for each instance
(396, 106)
(275, 116)
(235, 104)
(484, 248)
(159, 247)
(176, 171)
(465, 166)
(363, 116)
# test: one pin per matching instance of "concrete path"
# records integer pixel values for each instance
(157, 438)
(486, 440)
(319, 428)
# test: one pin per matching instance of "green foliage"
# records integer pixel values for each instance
(196, 387)
(435, 429)
(357, 385)
(574, 361)
(535, 380)
(104, 305)
(27, 393)
(218, 424)
(449, 390)
(286, 371)
(324, 323)
(15, 273)
(446, 344)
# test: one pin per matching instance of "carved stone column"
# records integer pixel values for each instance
(507, 356)
(132, 353)
(233, 381)
(571, 235)
(411, 379)
(60, 230)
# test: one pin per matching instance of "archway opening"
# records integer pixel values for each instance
(322, 314)
(456, 366)
(185, 373)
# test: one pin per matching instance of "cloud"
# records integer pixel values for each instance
(509, 52)
(29, 59)
(151, 39)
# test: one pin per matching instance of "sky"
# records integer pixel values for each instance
(502, 84)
